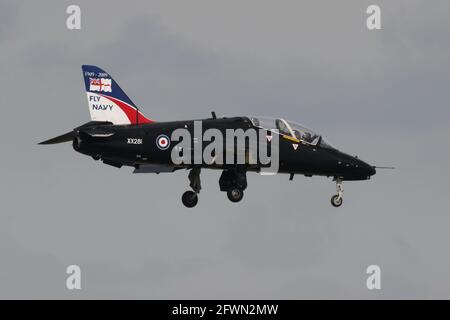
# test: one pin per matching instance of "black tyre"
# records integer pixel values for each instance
(189, 199)
(336, 201)
(235, 195)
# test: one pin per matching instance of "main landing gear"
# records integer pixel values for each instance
(233, 181)
(235, 195)
(190, 198)
(337, 200)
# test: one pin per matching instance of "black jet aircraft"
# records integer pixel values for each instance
(120, 135)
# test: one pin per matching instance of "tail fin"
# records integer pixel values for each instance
(107, 101)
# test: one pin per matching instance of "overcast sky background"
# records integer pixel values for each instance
(382, 95)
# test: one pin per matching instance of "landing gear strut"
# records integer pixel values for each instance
(337, 200)
(190, 198)
(233, 182)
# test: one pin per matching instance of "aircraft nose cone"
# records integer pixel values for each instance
(353, 168)
(366, 168)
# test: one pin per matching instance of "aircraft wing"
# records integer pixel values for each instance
(154, 168)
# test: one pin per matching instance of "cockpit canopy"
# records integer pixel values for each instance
(291, 129)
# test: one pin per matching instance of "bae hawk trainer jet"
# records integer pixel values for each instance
(120, 135)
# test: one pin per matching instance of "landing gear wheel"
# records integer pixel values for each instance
(235, 195)
(336, 201)
(189, 199)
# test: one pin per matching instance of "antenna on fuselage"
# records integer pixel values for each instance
(213, 114)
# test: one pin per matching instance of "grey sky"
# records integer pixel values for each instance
(382, 95)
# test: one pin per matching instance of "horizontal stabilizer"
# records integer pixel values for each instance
(69, 136)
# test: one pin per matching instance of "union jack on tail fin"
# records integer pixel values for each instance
(107, 101)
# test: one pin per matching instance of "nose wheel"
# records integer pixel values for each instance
(337, 199)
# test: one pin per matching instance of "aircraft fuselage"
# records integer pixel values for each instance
(136, 145)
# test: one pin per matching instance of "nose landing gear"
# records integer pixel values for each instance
(337, 200)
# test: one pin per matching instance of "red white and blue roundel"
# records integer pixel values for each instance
(163, 142)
